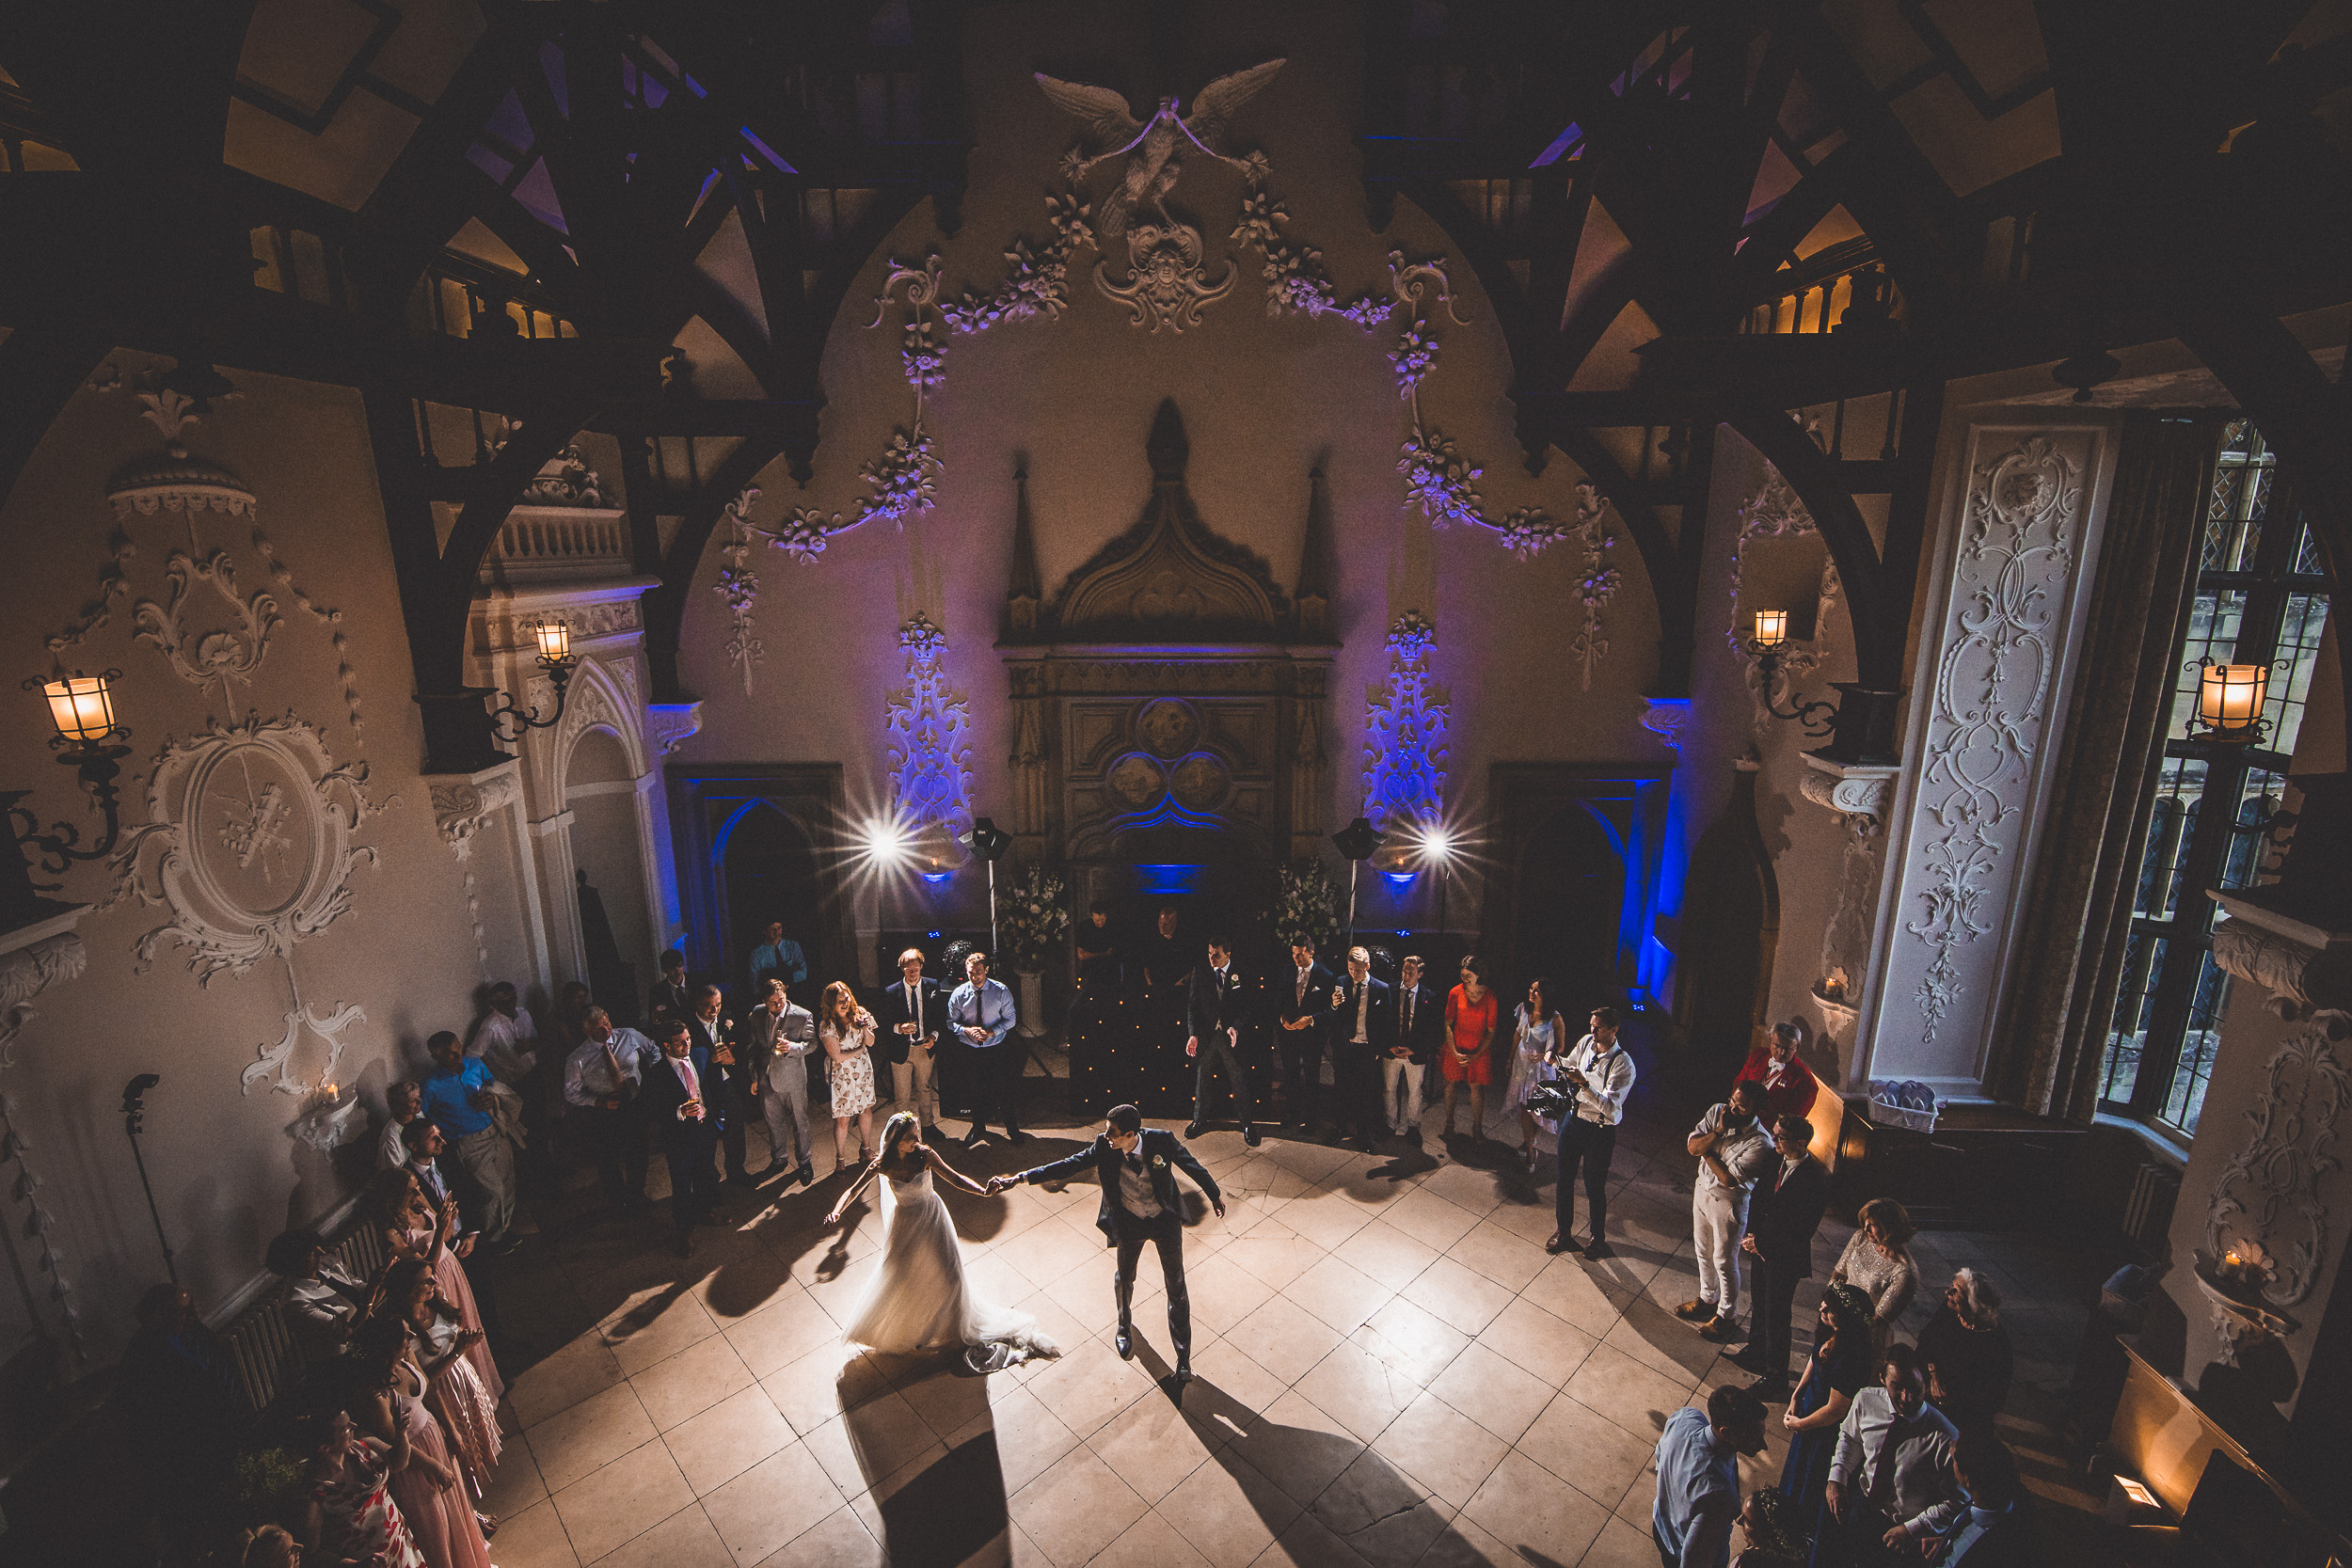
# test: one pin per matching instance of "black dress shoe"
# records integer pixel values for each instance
(1771, 1393)
(1193, 1130)
(1748, 1360)
(1559, 1245)
(1600, 1249)
(933, 1134)
(1014, 1135)
(971, 1139)
(1126, 1343)
(1250, 1136)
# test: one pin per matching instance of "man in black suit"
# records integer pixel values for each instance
(910, 1018)
(686, 1096)
(1304, 1001)
(1216, 1011)
(711, 1032)
(1139, 1205)
(1783, 1214)
(1415, 1024)
(1360, 1020)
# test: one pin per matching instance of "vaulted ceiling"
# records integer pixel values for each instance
(1715, 210)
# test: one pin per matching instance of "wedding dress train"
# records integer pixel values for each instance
(917, 1299)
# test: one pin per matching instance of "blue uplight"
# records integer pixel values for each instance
(1161, 878)
(1400, 881)
(934, 935)
(937, 877)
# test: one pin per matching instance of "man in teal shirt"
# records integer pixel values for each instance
(779, 956)
(456, 1100)
(1698, 1477)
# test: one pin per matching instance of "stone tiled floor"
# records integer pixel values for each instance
(1391, 1371)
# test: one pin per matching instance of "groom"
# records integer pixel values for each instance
(1139, 1205)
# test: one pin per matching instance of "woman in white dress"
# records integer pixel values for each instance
(845, 1030)
(1533, 1061)
(917, 1299)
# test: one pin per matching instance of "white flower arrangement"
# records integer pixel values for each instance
(1307, 906)
(1033, 919)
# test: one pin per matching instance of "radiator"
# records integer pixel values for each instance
(2147, 1212)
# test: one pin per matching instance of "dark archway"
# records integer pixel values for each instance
(1571, 897)
(1724, 978)
(769, 871)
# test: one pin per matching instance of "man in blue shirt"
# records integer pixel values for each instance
(980, 1011)
(777, 956)
(456, 1100)
(1698, 1477)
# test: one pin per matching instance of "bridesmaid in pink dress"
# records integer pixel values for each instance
(389, 1404)
(469, 1416)
(413, 1229)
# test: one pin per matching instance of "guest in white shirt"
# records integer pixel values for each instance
(503, 1036)
(1733, 1152)
(1891, 1480)
(405, 1103)
(1599, 1074)
(603, 1078)
(326, 1301)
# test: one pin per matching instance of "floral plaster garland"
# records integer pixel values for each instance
(38, 1225)
(1598, 583)
(739, 585)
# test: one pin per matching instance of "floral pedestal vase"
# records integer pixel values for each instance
(1028, 996)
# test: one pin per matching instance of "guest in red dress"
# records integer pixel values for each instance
(1789, 1085)
(1470, 1011)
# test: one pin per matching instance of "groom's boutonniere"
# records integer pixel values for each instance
(1160, 1160)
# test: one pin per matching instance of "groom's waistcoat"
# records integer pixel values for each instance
(1162, 1154)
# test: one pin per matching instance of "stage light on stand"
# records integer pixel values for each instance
(989, 842)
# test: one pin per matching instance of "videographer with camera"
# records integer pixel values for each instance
(1598, 1075)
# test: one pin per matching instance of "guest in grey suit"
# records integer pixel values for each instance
(776, 1037)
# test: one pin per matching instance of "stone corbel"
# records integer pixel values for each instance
(1664, 719)
(462, 805)
(1859, 792)
(2305, 968)
(32, 959)
(672, 724)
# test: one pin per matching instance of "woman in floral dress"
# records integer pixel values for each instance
(845, 1030)
(1535, 1043)
(350, 1516)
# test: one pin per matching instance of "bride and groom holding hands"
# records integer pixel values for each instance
(918, 1300)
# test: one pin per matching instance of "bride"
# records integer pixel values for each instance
(917, 1299)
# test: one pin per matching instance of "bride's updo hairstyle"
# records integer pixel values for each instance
(902, 1125)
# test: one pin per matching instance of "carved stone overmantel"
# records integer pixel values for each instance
(33, 957)
(1166, 704)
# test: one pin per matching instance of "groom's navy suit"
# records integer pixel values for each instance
(1157, 1157)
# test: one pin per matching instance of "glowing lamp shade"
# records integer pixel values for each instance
(1771, 627)
(555, 640)
(2229, 696)
(82, 707)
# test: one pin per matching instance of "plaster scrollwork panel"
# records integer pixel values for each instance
(1989, 707)
(462, 806)
(673, 724)
(247, 847)
(201, 655)
(929, 724)
(1407, 721)
(247, 843)
(2269, 1193)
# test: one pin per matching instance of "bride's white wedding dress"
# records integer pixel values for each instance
(917, 1299)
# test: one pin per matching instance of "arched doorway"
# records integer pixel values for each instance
(769, 873)
(1571, 900)
(1723, 976)
(607, 846)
